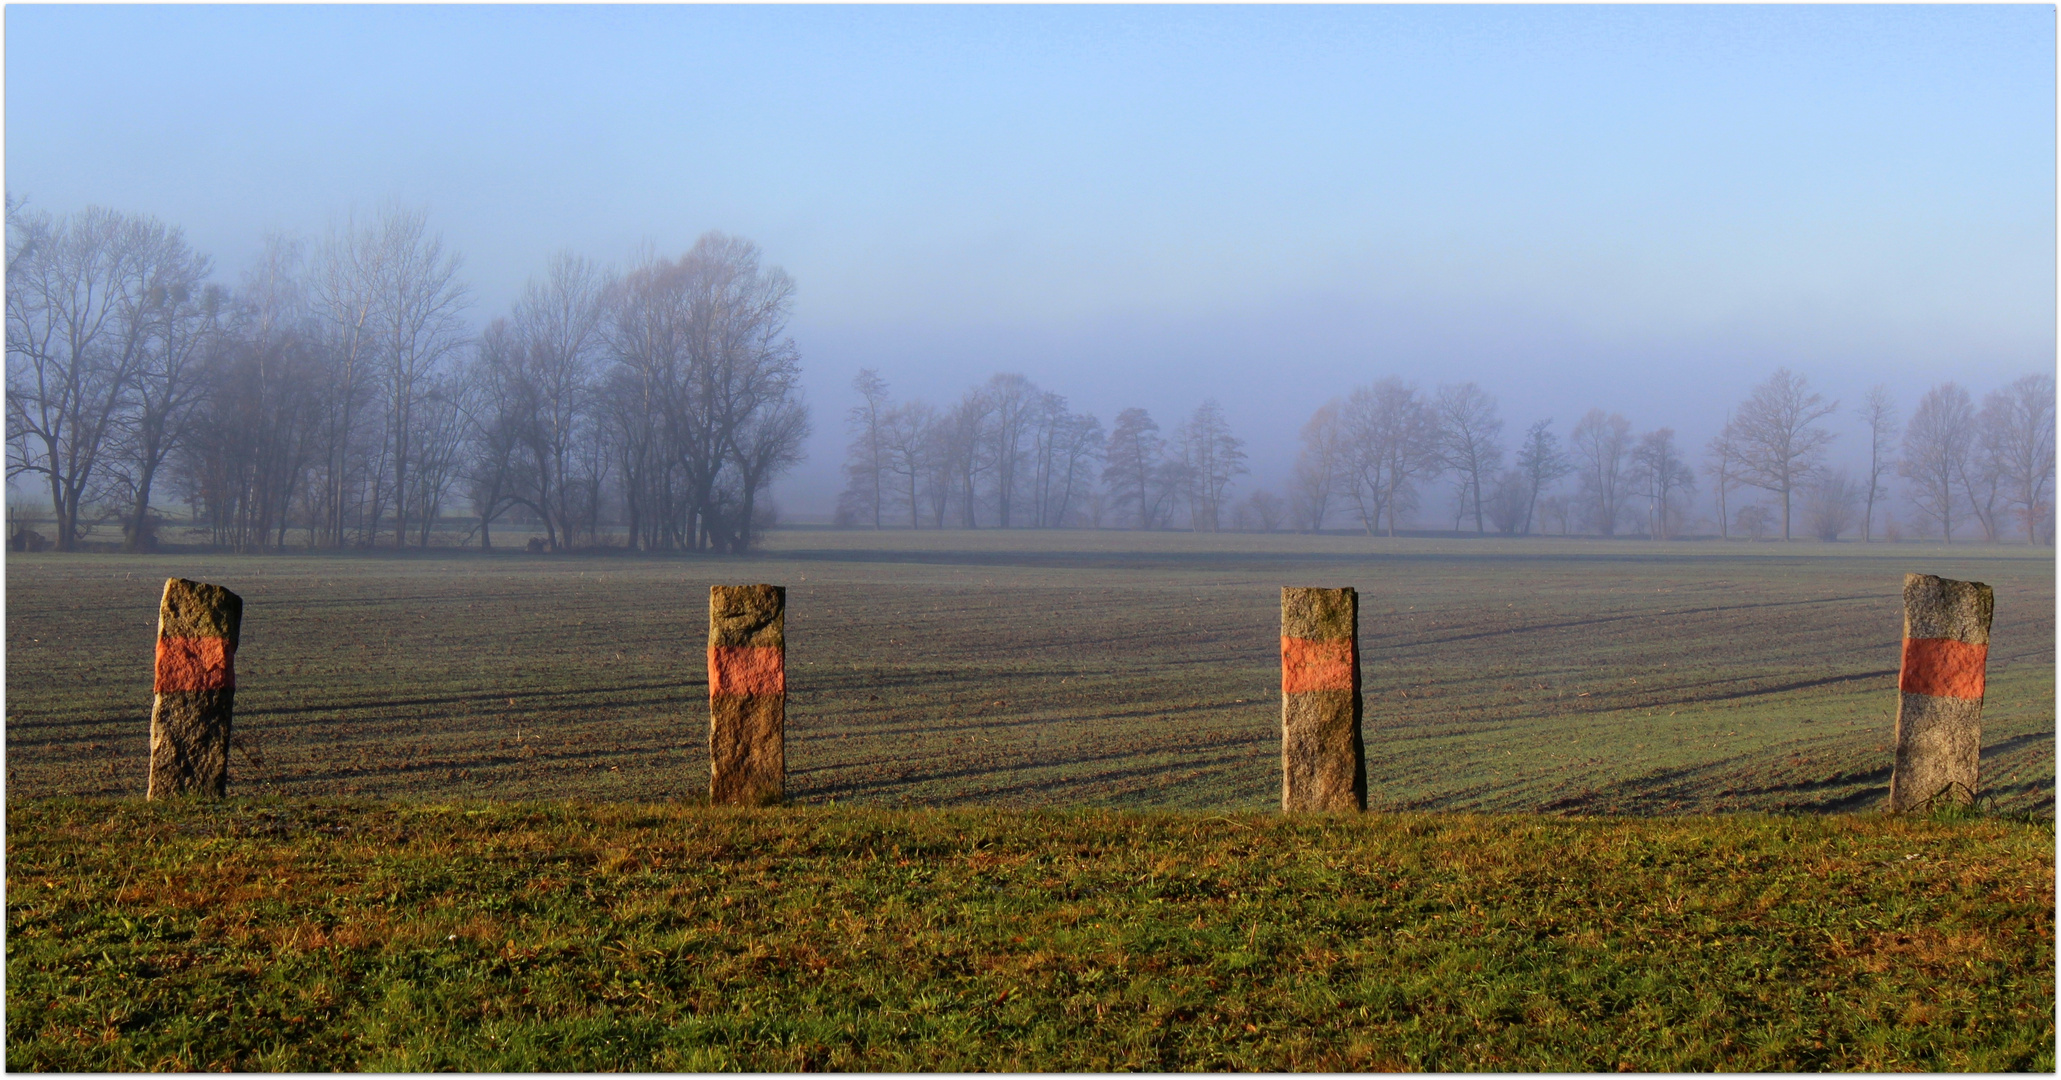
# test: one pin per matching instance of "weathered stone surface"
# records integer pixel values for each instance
(193, 609)
(1937, 607)
(1320, 614)
(747, 749)
(199, 626)
(1323, 762)
(747, 678)
(1940, 684)
(743, 615)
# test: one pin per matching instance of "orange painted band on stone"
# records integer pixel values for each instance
(194, 663)
(740, 670)
(1942, 667)
(1316, 665)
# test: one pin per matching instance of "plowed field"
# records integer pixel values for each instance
(1046, 669)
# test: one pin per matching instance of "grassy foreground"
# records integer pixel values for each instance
(317, 935)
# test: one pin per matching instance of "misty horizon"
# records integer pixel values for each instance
(1646, 211)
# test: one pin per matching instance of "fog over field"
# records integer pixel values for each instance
(1644, 211)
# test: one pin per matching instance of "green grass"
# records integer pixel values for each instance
(354, 934)
(1031, 669)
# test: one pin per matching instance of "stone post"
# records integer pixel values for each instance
(197, 629)
(747, 694)
(1323, 764)
(1939, 707)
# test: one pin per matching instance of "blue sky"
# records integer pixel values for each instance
(1646, 209)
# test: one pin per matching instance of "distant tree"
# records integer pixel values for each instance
(1268, 510)
(1601, 445)
(906, 439)
(1391, 441)
(1211, 458)
(1878, 411)
(1541, 463)
(1775, 437)
(1661, 476)
(557, 328)
(1509, 501)
(966, 448)
(1067, 447)
(1982, 481)
(416, 327)
(1936, 446)
(1133, 473)
(75, 346)
(1014, 404)
(1756, 520)
(1469, 442)
(439, 445)
(2018, 431)
(1318, 465)
(1829, 504)
(247, 455)
(178, 321)
(866, 456)
(1721, 464)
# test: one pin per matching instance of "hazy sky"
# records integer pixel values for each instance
(1647, 209)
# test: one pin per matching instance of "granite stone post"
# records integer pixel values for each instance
(1939, 706)
(747, 694)
(1323, 762)
(197, 629)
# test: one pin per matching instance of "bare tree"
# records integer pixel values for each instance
(1016, 404)
(866, 456)
(1982, 480)
(1721, 464)
(1509, 501)
(1775, 436)
(1068, 446)
(1268, 510)
(77, 340)
(1133, 471)
(347, 295)
(1601, 445)
(906, 438)
(703, 375)
(1541, 462)
(1878, 411)
(498, 411)
(439, 445)
(1211, 458)
(1661, 475)
(1757, 520)
(2018, 432)
(416, 326)
(1936, 445)
(557, 323)
(1468, 439)
(175, 318)
(1828, 505)
(249, 445)
(965, 447)
(1391, 441)
(1318, 466)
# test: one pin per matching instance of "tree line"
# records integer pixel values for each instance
(337, 397)
(1008, 454)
